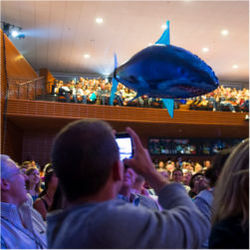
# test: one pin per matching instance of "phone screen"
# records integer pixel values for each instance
(125, 147)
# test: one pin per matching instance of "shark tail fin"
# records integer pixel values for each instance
(169, 105)
(114, 83)
(165, 37)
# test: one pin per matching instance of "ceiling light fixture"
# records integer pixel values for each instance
(12, 31)
(86, 56)
(224, 32)
(235, 66)
(99, 20)
(205, 49)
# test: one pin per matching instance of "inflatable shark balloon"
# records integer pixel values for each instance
(165, 71)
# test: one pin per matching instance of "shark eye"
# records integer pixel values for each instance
(182, 71)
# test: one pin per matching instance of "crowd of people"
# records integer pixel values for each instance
(87, 198)
(97, 91)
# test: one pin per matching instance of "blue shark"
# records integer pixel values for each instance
(166, 71)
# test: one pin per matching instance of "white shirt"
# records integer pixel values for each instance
(14, 234)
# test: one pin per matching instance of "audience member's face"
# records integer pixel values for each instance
(34, 177)
(207, 164)
(186, 178)
(17, 189)
(161, 164)
(129, 177)
(177, 176)
(200, 183)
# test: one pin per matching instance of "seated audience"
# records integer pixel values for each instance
(231, 202)
(91, 173)
(33, 182)
(44, 202)
(221, 99)
(22, 227)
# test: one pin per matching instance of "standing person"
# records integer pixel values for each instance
(86, 160)
(22, 227)
(33, 182)
(45, 200)
(231, 202)
(205, 198)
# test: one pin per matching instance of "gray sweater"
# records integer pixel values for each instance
(118, 224)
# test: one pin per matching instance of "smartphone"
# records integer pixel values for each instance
(125, 145)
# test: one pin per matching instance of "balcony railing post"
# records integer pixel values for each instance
(35, 91)
(27, 91)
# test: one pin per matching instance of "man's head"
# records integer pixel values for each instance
(177, 175)
(84, 154)
(12, 182)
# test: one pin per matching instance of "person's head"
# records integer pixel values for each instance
(187, 177)
(33, 179)
(129, 178)
(207, 164)
(198, 183)
(197, 167)
(26, 164)
(12, 182)
(161, 164)
(231, 197)
(177, 175)
(50, 179)
(85, 157)
(139, 183)
(218, 161)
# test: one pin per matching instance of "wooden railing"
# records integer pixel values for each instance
(27, 90)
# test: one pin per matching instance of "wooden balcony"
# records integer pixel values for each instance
(42, 115)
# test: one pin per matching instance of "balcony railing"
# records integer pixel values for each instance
(27, 90)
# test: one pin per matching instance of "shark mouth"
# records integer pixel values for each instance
(191, 89)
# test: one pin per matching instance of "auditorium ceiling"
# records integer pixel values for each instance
(60, 34)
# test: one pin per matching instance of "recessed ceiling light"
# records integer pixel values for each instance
(86, 56)
(99, 20)
(224, 32)
(235, 66)
(205, 49)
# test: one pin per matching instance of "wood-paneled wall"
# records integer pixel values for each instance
(17, 68)
(49, 78)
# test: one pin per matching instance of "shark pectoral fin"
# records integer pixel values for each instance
(165, 37)
(114, 83)
(169, 105)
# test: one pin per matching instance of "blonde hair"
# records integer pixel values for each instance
(30, 171)
(231, 197)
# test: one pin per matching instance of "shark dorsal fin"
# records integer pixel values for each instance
(165, 37)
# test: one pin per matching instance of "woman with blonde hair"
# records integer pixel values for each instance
(33, 183)
(231, 202)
